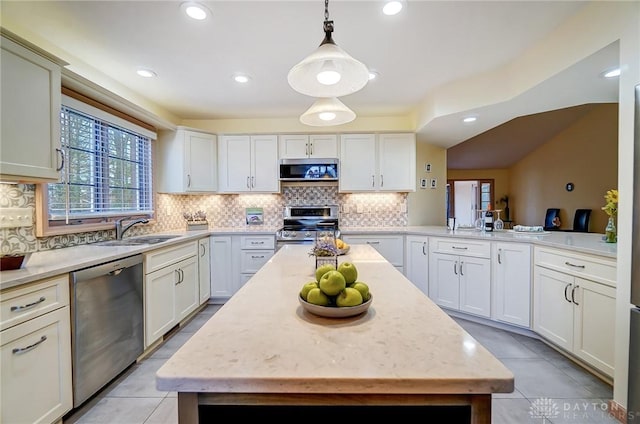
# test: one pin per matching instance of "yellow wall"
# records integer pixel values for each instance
(585, 154)
(427, 206)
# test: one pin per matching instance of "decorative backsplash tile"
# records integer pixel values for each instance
(222, 210)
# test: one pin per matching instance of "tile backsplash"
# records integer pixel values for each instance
(223, 210)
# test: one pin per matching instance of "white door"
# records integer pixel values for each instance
(187, 288)
(264, 160)
(323, 146)
(552, 307)
(512, 270)
(475, 285)
(221, 267)
(204, 269)
(397, 162)
(234, 164)
(417, 269)
(202, 167)
(358, 162)
(465, 206)
(293, 146)
(444, 283)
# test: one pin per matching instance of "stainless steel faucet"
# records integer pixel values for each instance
(120, 230)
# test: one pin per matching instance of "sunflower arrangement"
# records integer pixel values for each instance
(611, 207)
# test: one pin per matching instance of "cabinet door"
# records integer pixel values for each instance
(512, 271)
(222, 286)
(187, 288)
(475, 285)
(358, 162)
(30, 118)
(323, 146)
(234, 164)
(594, 330)
(391, 247)
(36, 369)
(264, 159)
(552, 307)
(417, 262)
(293, 146)
(444, 284)
(201, 158)
(397, 162)
(160, 309)
(204, 269)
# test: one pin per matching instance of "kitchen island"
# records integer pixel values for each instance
(263, 350)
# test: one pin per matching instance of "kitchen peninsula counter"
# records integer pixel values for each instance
(263, 348)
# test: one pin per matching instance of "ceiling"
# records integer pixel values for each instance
(428, 45)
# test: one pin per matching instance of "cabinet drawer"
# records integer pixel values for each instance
(594, 268)
(25, 302)
(257, 242)
(158, 259)
(252, 260)
(480, 249)
(390, 247)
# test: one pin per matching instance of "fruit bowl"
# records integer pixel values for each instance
(334, 311)
(343, 251)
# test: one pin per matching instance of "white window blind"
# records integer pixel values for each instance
(108, 167)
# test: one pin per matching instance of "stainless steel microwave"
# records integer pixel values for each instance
(309, 169)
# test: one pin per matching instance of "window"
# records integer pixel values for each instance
(107, 171)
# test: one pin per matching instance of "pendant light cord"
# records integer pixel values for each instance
(328, 25)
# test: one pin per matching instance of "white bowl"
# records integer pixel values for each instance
(335, 311)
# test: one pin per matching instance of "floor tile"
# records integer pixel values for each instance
(171, 346)
(512, 411)
(165, 413)
(195, 324)
(513, 395)
(581, 411)
(141, 382)
(129, 410)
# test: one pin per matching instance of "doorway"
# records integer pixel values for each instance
(465, 197)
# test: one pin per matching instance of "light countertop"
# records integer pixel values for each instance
(263, 341)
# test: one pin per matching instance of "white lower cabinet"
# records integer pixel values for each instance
(417, 261)
(234, 260)
(460, 275)
(204, 269)
(575, 313)
(172, 288)
(391, 247)
(512, 283)
(35, 373)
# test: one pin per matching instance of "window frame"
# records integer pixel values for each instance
(52, 227)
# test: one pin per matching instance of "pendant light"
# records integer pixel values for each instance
(329, 71)
(327, 111)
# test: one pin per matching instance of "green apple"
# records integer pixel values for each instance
(317, 297)
(332, 283)
(323, 269)
(363, 288)
(349, 271)
(306, 287)
(349, 297)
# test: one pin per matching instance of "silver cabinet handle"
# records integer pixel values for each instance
(204, 250)
(257, 242)
(61, 159)
(253, 184)
(573, 295)
(459, 248)
(455, 268)
(188, 180)
(180, 274)
(574, 265)
(381, 180)
(499, 256)
(566, 297)
(28, 305)
(373, 181)
(257, 256)
(20, 350)
(424, 245)
(461, 273)
(248, 186)
(310, 148)
(373, 242)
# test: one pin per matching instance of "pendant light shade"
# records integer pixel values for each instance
(327, 111)
(329, 71)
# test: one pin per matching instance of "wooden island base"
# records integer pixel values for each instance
(197, 408)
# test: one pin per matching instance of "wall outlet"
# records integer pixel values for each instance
(16, 217)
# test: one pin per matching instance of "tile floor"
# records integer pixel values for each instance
(549, 388)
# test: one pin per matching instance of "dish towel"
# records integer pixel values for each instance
(528, 229)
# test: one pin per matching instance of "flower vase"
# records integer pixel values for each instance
(610, 233)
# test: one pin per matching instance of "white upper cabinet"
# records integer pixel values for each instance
(187, 162)
(384, 162)
(30, 118)
(248, 163)
(301, 146)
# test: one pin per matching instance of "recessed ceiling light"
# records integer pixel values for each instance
(392, 7)
(242, 79)
(612, 73)
(373, 75)
(147, 73)
(469, 119)
(195, 10)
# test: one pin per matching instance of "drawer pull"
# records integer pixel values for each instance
(461, 273)
(459, 248)
(20, 350)
(30, 305)
(566, 297)
(373, 242)
(574, 265)
(455, 268)
(257, 242)
(573, 295)
(500, 256)
(257, 256)
(424, 252)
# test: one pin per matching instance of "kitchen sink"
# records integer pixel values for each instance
(134, 241)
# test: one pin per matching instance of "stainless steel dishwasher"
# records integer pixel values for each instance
(106, 323)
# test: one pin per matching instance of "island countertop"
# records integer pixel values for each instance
(262, 341)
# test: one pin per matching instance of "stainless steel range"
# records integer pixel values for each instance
(302, 222)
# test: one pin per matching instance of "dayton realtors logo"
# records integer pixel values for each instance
(547, 409)
(544, 408)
